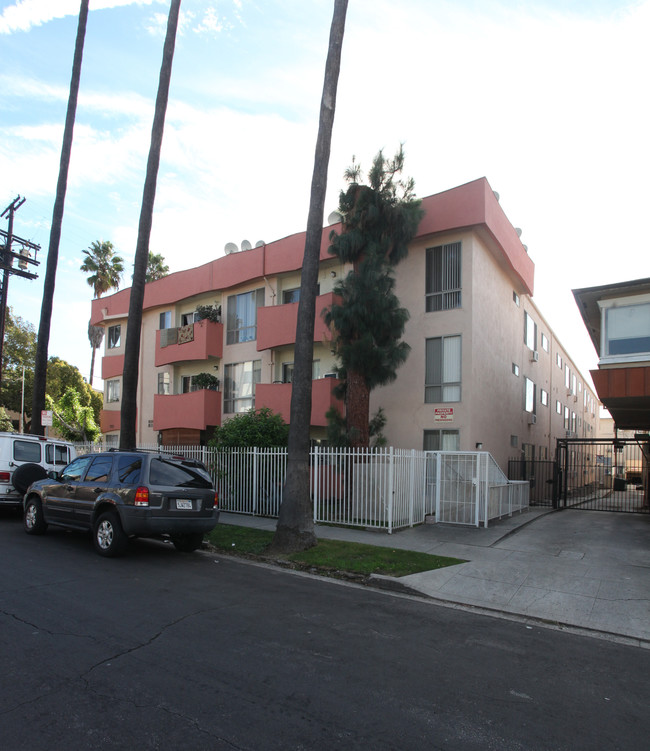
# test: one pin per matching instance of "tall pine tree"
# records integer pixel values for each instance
(379, 221)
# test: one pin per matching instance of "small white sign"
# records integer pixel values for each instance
(443, 414)
(46, 417)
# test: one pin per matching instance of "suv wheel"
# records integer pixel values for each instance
(33, 520)
(108, 535)
(189, 542)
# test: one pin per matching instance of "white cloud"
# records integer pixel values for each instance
(24, 14)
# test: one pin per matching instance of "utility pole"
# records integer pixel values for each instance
(7, 256)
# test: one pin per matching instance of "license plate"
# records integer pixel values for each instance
(183, 504)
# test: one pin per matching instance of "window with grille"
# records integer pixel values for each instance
(443, 277)
(443, 369)
(114, 336)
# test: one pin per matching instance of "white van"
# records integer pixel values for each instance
(26, 458)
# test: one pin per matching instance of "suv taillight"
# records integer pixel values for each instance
(5, 477)
(216, 499)
(141, 497)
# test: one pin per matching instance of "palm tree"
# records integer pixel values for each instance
(104, 266)
(156, 267)
(295, 528)
(132, 345)
(40, 369)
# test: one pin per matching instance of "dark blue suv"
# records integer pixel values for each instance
(122, 494)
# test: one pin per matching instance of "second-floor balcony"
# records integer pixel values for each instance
(276, 324)
(197, 341)
(196, 410)
(277, 397)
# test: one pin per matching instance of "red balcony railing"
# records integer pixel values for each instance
(196, 410)
(277, 397)
(276, 324)
(206, 341)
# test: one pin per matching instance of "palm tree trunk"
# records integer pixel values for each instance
(357, 410)
(295, 528)
(40, 368)
(132, 344)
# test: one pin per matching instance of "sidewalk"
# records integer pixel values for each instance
(583, 569)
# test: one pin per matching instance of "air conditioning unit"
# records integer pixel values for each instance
(534, 356)
(532, 419)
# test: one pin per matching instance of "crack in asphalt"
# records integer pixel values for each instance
(45, 630)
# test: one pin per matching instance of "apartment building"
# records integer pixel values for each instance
(485, 370)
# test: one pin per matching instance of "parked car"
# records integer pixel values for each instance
(122, 494)
(25, 458)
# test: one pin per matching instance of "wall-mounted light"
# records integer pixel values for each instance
(333, 274)
(479, 446)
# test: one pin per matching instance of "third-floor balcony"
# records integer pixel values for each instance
(276, 324)
(277, 397)
(197, 341)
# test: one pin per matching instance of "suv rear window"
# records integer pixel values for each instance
(178, 474)
(27, 451)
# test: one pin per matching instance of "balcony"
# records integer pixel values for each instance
(195, 410)
(277, 397)
(112, 366)
(276, 325)
(203, 339)
(110, 419)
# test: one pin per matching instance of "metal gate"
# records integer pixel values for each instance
(602, 475)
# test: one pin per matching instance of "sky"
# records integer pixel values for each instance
(547, 99)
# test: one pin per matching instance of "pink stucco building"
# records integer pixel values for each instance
(485, 369)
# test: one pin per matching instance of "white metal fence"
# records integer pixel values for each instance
(373, 488)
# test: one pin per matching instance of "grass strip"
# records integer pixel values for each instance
(332, 555)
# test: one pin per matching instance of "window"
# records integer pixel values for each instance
(530, 332)
(100, 469)
(567, 376)
(558, 360)
(74, 471)
(515, 369)
(566, 418)
(441, 440)
(187, 318)
(242, 316)
(443, 368)
(113, 391)
(529, 395)
(239, 385)
(544, 342)
(287, 371)
(128, 469)
(515, 298)
(558, 407)
(627, 330)
(187, 385)
(290, 295)
(443, 277)
(165, 320)
(27, 451)
(514, 441)
(543, 397)
(57, 454)
(114, 336)
(164, 384)
(574, 387)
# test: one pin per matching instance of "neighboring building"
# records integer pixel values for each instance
(485, 370)
(617, 317)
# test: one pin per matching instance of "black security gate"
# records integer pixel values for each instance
(602, 475)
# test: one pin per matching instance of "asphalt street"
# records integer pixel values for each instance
(161, 650)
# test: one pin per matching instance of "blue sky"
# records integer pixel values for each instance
(545, 98)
